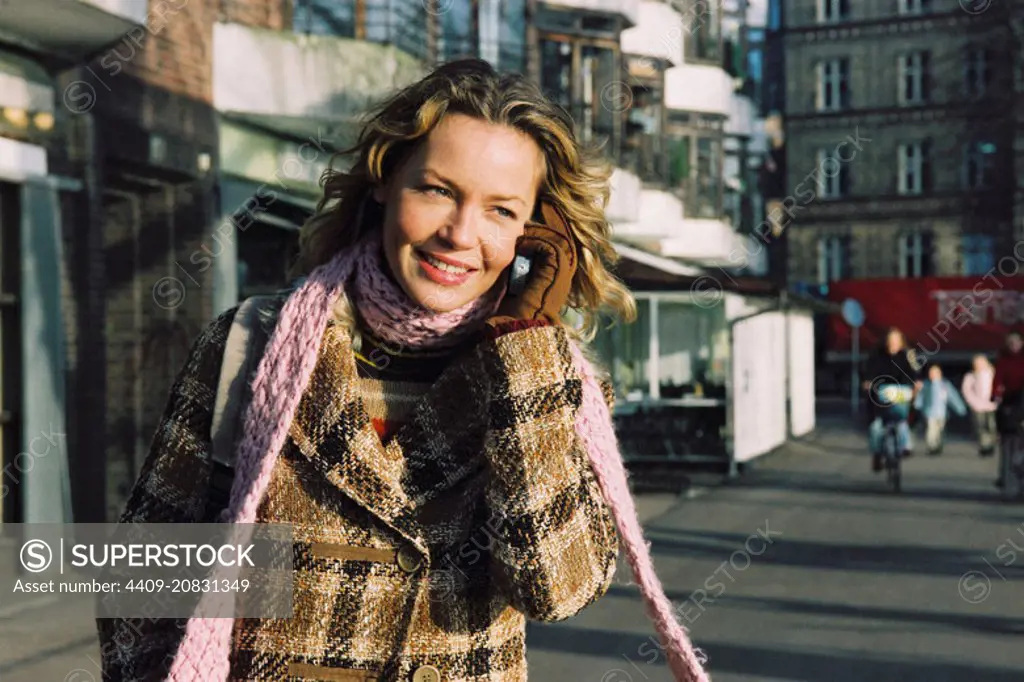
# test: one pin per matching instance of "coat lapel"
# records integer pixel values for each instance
(333, 430)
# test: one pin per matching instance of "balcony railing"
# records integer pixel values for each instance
(643, 155)
(402, 23)
(511, 56)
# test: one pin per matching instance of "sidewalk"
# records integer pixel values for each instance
(856, 584)
(811, 571)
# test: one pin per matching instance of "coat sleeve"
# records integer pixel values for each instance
(171, 488)
(556, 542)
(997, 380)
(955, 400)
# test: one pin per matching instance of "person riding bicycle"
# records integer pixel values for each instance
(891, 366)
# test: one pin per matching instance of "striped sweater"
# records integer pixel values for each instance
(392, 380)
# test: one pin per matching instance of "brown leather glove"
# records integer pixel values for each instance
(553, 250)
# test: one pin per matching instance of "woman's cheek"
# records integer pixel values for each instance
(499, 251)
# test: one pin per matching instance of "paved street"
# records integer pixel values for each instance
(827, 576)
(857, 585)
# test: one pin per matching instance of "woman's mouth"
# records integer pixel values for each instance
(442, 272)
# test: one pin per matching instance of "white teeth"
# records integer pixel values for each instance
(441, 265)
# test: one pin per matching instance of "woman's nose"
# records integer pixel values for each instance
(461, 230)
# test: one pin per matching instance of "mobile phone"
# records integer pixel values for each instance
(518, 274)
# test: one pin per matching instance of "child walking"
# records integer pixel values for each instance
(933, 400)
(977, 390)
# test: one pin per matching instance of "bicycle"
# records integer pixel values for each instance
(895, 403)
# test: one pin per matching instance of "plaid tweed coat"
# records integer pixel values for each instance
(418, 559)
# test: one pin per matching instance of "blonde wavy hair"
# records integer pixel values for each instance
(576, 180)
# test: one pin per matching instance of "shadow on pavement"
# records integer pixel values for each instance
(793, 482)
(788, 551)
(997, 625)
(633, 653)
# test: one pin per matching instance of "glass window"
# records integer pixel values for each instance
(833, 173)
(913, 77)
(632, 350)
(456, 24)
(915, 252)
(832, 11)
(704, 33)
(707, 198)
(979, 165)
(977, 254)
(977, 71)
(833, 84)
(833, 259)
(601, 85)
(512, 35)
(402, 23)
(679, 161)
(774, 15)
(556, 71)
(912, 160)
(915, 6)
(687, 355)
(324, 17)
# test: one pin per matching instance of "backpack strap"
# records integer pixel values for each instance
(242, 352)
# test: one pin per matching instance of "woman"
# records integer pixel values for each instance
(406, 407)
(891, 365)
(977, 390)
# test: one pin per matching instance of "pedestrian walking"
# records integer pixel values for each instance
(936, 397)
(441, 445)
(977, 391)
(1008, 392)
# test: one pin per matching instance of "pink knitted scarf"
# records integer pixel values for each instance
(281, 378)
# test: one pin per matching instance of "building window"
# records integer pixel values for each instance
(12, 380)
(703, 193)
(915, 6)
(703, 37)
(401, 23)
(979, 165)
(833, 84)
(977, 71)
(583, 75)
(774, 15)
(833, 259)
(832, 11)
(913, 165)
(915, 253)
(977, 254)
(489, 29)
(833, 174)
(913, 77)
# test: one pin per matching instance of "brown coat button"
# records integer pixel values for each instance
(409, 560)
(426, 673)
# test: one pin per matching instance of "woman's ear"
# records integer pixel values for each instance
(380, 193)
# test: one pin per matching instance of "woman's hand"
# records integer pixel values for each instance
(553, 251)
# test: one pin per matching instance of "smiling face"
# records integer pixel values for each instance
(454, 209)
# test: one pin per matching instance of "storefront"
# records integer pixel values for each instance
(268, 187)
(32, 340)
(713, 373)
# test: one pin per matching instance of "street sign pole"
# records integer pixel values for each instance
(853, 314)
(855, 371)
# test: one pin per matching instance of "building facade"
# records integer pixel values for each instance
(156, 167)
(898, 138)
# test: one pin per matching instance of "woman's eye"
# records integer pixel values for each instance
(505, 213)
(437, 190)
